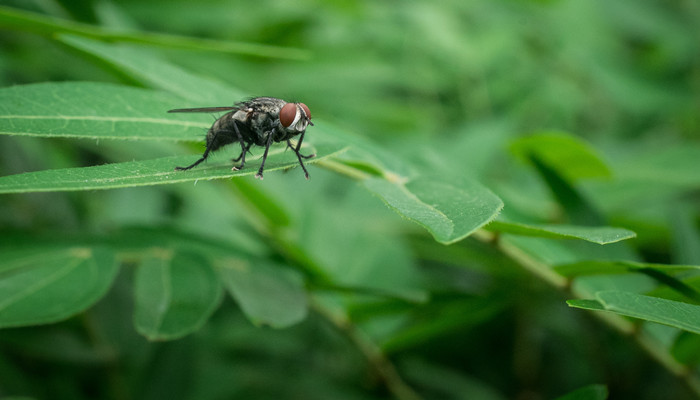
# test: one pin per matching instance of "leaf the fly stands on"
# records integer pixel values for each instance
(153, 172)
(450, 209)
(594, 234)
(40, 287)
(95, 111)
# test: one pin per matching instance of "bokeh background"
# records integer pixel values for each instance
(447, 84)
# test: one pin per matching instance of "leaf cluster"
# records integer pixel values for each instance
(432, 254)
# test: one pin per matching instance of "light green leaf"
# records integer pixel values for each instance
(570, 156)
(95, 111)
(667, 312)
(450, 210)
(590, 392)
(268, 294)
(596, 267)
(175, 293)
(43, 286)
(153, 172)
(37, 23)
(597, 234)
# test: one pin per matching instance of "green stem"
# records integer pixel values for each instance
(381, 365)
(622, 325)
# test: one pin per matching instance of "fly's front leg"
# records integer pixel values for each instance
(299, 155)
(296, 149)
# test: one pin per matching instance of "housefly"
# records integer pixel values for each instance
(259, 121)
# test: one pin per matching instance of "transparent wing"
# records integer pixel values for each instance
(203, 109)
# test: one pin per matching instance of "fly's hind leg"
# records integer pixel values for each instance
(244, 150)
(204, 157)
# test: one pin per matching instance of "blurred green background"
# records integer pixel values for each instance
(447, 84)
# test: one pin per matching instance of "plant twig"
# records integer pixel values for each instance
(619, 323)
(381, 365)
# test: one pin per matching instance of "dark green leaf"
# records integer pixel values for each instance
(42, 286)
(175, 294)
(591, 392)
(31, 22)
(268, 294)
(147, 67)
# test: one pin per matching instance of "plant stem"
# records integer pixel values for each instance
(652, 347)
(381, 365)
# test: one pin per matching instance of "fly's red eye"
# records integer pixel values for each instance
(287, 114)
(306, 110)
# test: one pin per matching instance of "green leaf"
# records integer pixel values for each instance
(268, 294)
(43, 286)
(175, 294)
(148, 68)
(450, 210)
(586, 304)
(600, 235)
(596, 267)
(37, 23)
(577, 207)
(95, 111)
(153, 172)
(570, 156)
(667, 312)
(590, 392)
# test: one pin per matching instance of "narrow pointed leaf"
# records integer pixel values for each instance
(591, 392)
(596, 267)
(595, 234)
(44, 286)
(153, 172)
(667, 312)
(450, 210)
(147, 67)
(175, 294)
(37, 23)
(267, 293)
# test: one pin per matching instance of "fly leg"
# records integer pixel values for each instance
(259, 175)
(204, 157)
(244, 150)
(299, 155)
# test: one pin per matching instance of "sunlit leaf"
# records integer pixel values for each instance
(600, 235)
(151, 172)
(667, 312)
(449, 209)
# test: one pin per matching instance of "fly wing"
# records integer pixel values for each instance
(203, 109)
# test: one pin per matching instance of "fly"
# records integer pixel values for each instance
(260, 121)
